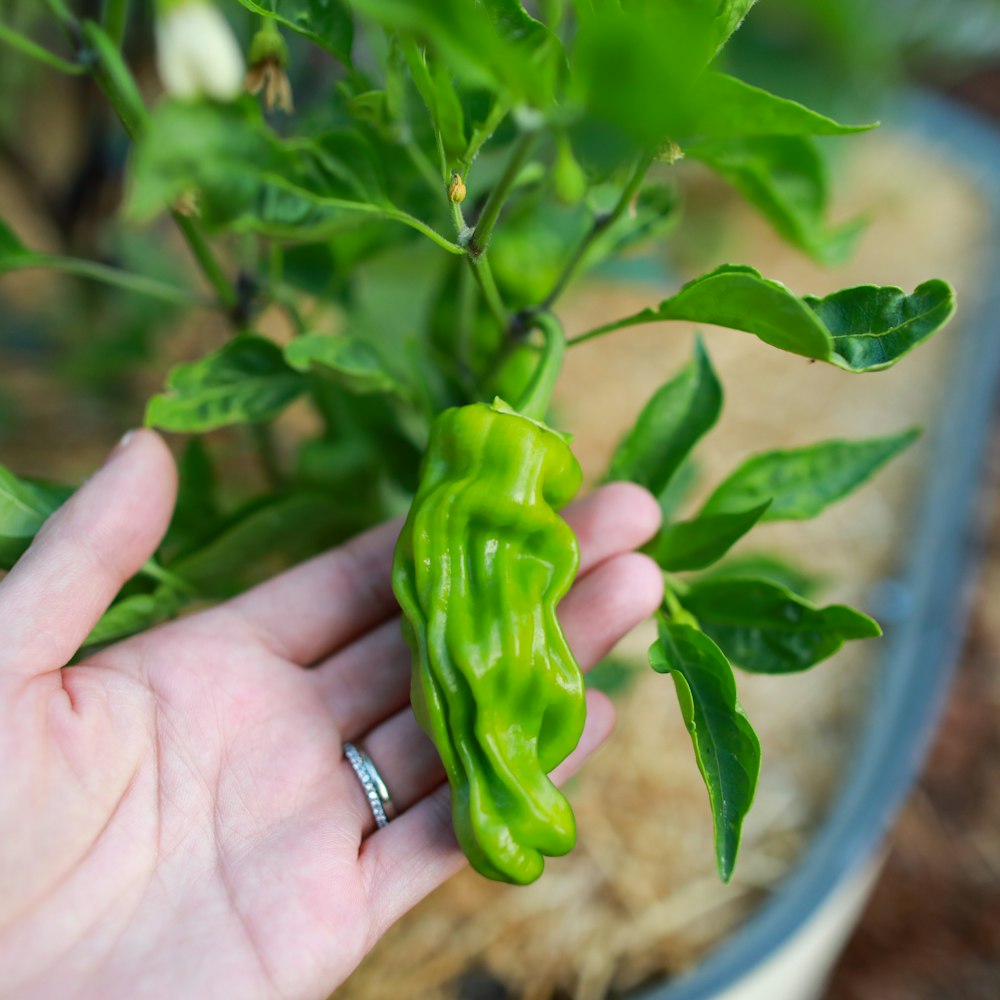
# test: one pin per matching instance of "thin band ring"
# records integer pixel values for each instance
(371, 781)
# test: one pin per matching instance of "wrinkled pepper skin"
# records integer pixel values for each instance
(480, 566)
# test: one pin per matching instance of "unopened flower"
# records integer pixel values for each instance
(456, 189)
(196, 52)
(268, 58)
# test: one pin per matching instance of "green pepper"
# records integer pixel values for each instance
(481, 564)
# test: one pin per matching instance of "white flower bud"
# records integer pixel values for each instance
(196, 52)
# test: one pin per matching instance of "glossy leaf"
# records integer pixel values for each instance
(695, 544)
(670, 424)
(861, 329)
(725, 745)
(766, 629)
(802, 482)
(134, 614)
(784, 177)
(328, 23)
(350, 360)
(872, 328)
(247, 381)
(24, 508)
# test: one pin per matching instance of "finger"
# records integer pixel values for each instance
(417, 851)
(609, 602)
(78, 562)
(323, 604)
(370, 679)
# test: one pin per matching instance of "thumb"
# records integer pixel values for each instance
(87, 549)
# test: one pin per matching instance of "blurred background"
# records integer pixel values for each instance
(78, 360)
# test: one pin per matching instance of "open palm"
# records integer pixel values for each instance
(176, 817)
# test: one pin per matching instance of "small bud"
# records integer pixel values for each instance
(196, 52)
(268, 58)
(669, 152)
(188, 203)
(456, 189)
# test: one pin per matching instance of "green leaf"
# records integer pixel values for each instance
(434, 84)
(726, 747)
(767, 566)
(634, 69)
(134, 614)
(612, 675)
(729, 16)
(328, 23)
(24, 507)
(246, 178)
(724, 107)
(196, 513)
(267, 536)
(802, 482)
(861, 329)
(695, 544)
(670, 424)
(247, 380)
(471, 41)
(350, 360)
(766, 629)
(784, 177)
(872, 328)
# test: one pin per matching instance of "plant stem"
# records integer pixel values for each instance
(35, 51)
(617, 324)
(491, 294)
(600, 224)
(206, 261)
(107, 275)
(498, 196)
(673, 606)
(534, 402)
(113, 78)
(116, 20)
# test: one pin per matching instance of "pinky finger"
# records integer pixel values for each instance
(416, 852)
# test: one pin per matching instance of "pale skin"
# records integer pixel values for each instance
(176, 817)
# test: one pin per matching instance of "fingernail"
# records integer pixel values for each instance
(121, 446)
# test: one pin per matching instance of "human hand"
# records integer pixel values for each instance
(176, 816)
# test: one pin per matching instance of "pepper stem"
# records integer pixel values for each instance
(535, 400)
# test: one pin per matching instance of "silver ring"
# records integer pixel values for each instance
(371, 781)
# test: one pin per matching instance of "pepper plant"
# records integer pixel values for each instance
(451, 169)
